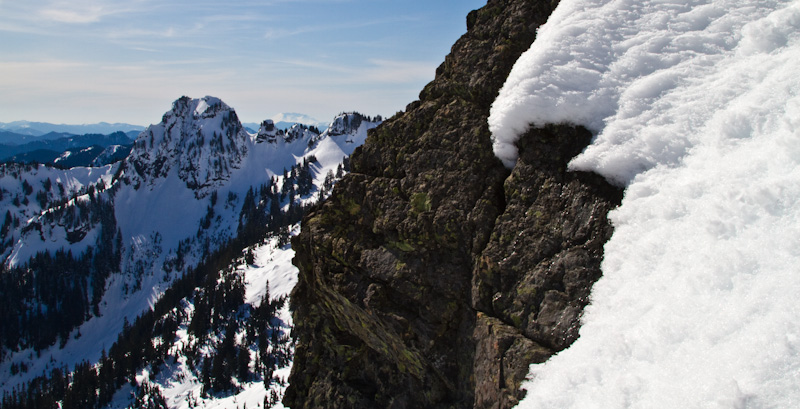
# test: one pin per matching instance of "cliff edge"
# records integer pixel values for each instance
(434, 276)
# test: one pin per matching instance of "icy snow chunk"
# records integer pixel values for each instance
(615, 66)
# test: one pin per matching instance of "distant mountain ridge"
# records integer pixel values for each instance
(57, 146)
(15, 138)
(41, 128)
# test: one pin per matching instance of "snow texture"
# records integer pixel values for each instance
(696, 112)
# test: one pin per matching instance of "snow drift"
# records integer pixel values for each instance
(696, 112)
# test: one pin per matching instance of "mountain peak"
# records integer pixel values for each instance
(344, 123)
(205, 107)
(202, 138)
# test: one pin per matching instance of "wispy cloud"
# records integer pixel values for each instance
(312, 64)
(398, 72)
(236, 17)
(276, 33)
(168, 32)
(371, 71)
(45, 17)
(20, 66)
(146, 50)
(86, 15)
(83, 11)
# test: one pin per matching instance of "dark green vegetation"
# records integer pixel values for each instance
(434, 276)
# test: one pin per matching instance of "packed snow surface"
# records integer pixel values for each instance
(696, 113)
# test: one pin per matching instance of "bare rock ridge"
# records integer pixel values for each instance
(433, 276)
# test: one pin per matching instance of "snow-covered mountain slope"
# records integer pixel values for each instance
(268, 277)
(695, 109)
(111, 154)
(30, 193)
(192, 183)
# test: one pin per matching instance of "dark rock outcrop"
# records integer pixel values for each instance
(433, 277)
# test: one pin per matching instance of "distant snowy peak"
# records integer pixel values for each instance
(343, 124)
(268, 132)
(294, 117)
(346, 123)
(201, 138)
(202, 142)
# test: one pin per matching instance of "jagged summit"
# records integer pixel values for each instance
(201, 138)
(267, 132)
(345, 123)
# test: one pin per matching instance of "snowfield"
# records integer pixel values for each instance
(696, 112)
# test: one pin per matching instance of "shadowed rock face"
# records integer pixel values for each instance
(433, 277)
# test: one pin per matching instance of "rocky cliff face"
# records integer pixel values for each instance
(434, 276)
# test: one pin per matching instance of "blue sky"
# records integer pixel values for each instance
(84, 61)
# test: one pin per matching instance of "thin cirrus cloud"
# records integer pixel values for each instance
(274, 33)
(86, 15)
(372, 71)
(54, 17)
(134, 33)
(396, 71)
(83, 12)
